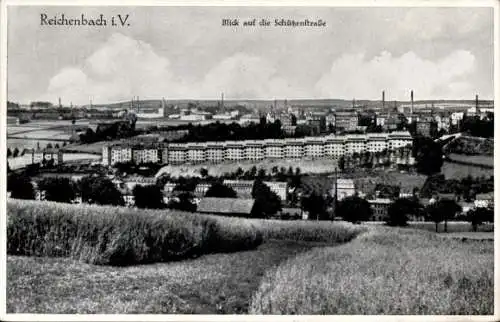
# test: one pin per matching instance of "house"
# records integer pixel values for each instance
(344, 188)
(380, 207)
(484, 200)
(226, 206)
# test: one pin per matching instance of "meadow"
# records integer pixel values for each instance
(383, 271)
(458, 171)
(210, 264)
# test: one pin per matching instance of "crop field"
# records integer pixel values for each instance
(476, 159)
(453, 226)
(264, 266)
(384, 271)
(22, 161)
(458, 171)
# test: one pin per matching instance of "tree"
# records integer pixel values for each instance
(342, 163)
(149, 196)
(266, 201)
(184, 202)
(354, 209)
(15, 153)
(261, 173)
(315, 205)
(428, 155)
(56, 146)
(100, 190)
(219, 190)
(20, 186)
(58, 189)
(400, 210)
(49, 146)
(442, 210)
(9, 153)
(203, 172)
(477, 216)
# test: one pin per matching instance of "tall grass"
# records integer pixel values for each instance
(309, 231)
(119, 236)
(383, 271)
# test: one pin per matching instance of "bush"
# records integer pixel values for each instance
(120, 236)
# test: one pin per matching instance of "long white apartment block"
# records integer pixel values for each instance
(255, 150)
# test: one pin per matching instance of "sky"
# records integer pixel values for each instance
(185, 53)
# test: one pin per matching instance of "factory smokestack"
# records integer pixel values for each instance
(60, 105)
(222, 101)
(383, 99)
(411, 108)
(477, 102)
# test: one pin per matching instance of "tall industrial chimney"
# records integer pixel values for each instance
(383, 99)
(411, 108)
(60, 105)
(222, 101)
(353, 103)
(477, 102)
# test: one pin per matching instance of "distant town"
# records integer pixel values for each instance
(324, 150)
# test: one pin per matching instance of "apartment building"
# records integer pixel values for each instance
(46, 155)
(346, 120)
(255, 150)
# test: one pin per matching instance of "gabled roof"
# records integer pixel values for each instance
(226, 205)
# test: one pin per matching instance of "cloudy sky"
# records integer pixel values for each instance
(181, 52)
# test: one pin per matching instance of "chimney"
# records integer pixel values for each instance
(477, 102)
(411, 108)
(383, 99)
(222, 101)
(60, 105)
(353, 102)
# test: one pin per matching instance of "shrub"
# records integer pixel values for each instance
(119, 236)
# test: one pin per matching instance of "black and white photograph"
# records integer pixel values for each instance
(248, 159)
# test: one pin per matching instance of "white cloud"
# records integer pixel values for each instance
(353, 76)
(124, 67)
(118, 70)
(245, 76)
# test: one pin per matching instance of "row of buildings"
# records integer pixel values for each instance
(254, 150)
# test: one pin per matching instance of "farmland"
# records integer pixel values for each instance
(43, 132)
(296, 264)
(384, 271)
(457, 171)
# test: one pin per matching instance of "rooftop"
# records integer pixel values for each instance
(226, 205)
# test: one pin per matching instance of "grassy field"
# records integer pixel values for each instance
(476, 159)
(384, 271)
(297, 267)
(458, 171)
(453, 226)
(212, 284)
(22, 161)
(120, 235)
